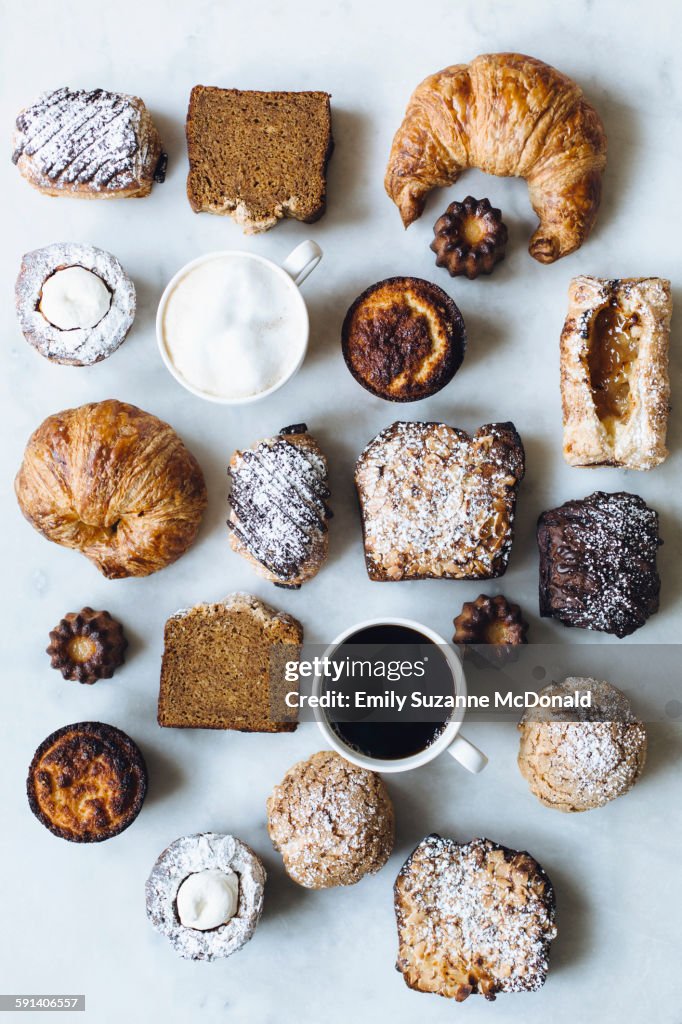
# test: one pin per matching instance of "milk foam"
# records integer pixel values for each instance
(233, 327)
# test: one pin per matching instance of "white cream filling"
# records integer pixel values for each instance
(74, 298)
(208, 899)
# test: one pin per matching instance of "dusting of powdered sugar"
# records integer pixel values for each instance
(581, 758)
(437, 502)
(473, 917)
(78, 137)
(185, 857)
(279, 509)
(332, 821)
(598, 562)
(81, 346)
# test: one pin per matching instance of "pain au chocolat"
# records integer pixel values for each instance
(89, 144)
(279, 511)
(615, 389)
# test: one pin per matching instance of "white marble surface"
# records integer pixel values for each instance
(73, 917)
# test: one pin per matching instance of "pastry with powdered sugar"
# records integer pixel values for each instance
(205, 894)
(332, 821)
(279, 510)
(75, 303)
(598, 563)
(89, 144)
(576, 759)
(473, 918)
(438, 503)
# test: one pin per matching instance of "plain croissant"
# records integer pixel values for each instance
(114, 482)
(507, 115)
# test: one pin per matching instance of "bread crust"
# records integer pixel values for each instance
(115, 483)
(507, 114)
(635, 437)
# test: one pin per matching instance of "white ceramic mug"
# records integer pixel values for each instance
(294, 270)
(450, 739)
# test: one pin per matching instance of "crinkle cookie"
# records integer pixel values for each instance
(575, 759)
(332, 821)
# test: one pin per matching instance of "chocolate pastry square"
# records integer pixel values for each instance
(598, 563)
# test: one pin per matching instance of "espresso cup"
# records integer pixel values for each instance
(449, 739)
(232, 327)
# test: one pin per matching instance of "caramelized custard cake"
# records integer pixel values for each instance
(87, 782)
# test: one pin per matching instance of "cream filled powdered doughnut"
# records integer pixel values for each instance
(75, 303)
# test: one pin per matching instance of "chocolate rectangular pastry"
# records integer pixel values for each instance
(598, 563)
(438, 503)
(615, 389)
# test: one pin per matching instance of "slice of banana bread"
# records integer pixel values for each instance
(258, 156)
(224, 667)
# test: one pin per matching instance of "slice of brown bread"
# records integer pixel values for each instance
(258, 156)
(224, 667)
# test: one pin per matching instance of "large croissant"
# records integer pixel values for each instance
(114, 482)
(507, 115)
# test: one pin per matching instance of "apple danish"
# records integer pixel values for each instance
(615, 389)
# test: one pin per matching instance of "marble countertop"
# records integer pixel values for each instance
(74, 918)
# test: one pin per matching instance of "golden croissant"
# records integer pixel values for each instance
(507, 115)
(114, 482)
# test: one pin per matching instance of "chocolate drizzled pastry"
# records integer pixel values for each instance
(473, 919)
(89, 143)
(598, 563)
(279, 506)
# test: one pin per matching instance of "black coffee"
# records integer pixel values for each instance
(391, 732)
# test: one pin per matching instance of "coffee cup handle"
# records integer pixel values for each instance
(302, 261)
(469, 756)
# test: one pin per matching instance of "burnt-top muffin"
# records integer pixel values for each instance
(87, 782)
(403, 339)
